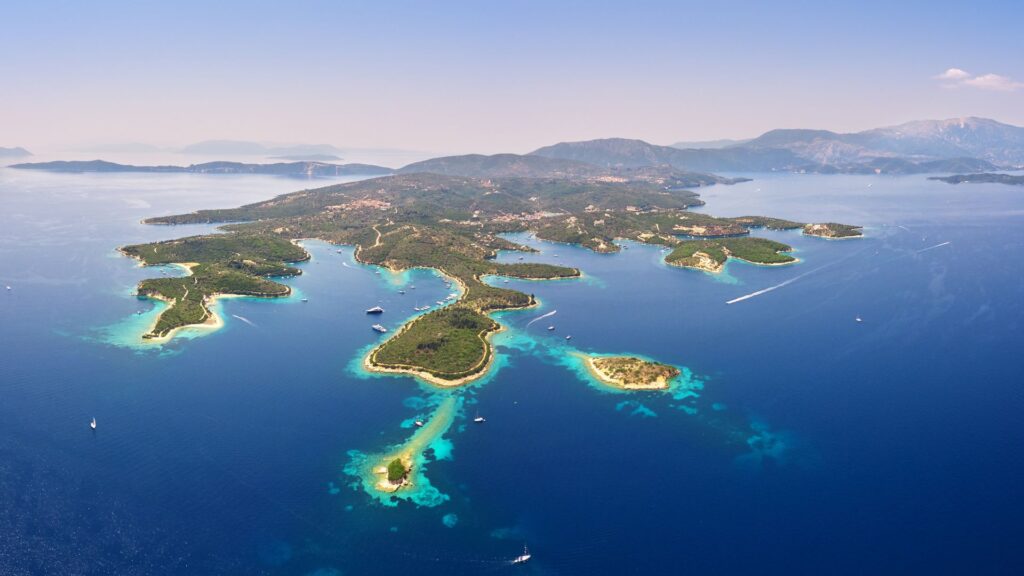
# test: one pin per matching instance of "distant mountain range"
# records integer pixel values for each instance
(13, 152)
(963, 144)
(279, 168)
(526, 166)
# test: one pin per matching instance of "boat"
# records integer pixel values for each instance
(479, 419)
(412, 287)
(379, 328)
(419, 423)
(8, 287)
(401, 291)
(506, 281)
(524, 557)
(551, 328)
(568, 337)
(440, 302)
(92, 424)
(305, 299)
(375, 310)
(858, 319)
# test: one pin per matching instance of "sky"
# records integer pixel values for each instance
(486, 76)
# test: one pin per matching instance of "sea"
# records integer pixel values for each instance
(860, 412)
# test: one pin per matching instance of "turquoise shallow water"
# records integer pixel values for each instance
(797, 440)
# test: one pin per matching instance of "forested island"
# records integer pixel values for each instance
(982, 178)
(630, 372)
(447, 223)
(711, 255)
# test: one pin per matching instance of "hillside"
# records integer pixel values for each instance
(531, 166)
(967, 144)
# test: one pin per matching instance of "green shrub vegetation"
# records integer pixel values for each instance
(396, 471)
(448, 223)
(718, 250)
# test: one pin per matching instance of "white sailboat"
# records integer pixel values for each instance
(479, 419)
(524, 557)
(92, 424)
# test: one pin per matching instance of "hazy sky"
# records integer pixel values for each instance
(488, 76)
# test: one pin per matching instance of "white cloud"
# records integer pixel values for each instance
(994, 82)
(953, 74)
(957, 77)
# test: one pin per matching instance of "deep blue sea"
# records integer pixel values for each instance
(804, 442)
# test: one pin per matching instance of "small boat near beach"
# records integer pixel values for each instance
(419, 423)
(550, 328)
(375, 310)
(305, 300)
(379, 328)
(479, 419)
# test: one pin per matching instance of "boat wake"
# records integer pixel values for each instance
(775, 287)
(541, 317)
(947, 243)
(246, 320)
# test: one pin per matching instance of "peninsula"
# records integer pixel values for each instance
(452, 224)
(630, 372)
(219, 265)
(982, 178)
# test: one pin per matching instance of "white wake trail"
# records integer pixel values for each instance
(246, 320)
(934, 247)
(541, 317)
(777, 286)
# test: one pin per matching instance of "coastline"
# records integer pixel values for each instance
(431, 378)
(211, 323)
(861, 235)
(369, 363)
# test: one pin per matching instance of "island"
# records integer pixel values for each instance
(833, 230)
(982, 178)
(396, 474)
(305, 169)
(711, 255)
(16, 152)
(452, 224)
(630, 372)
